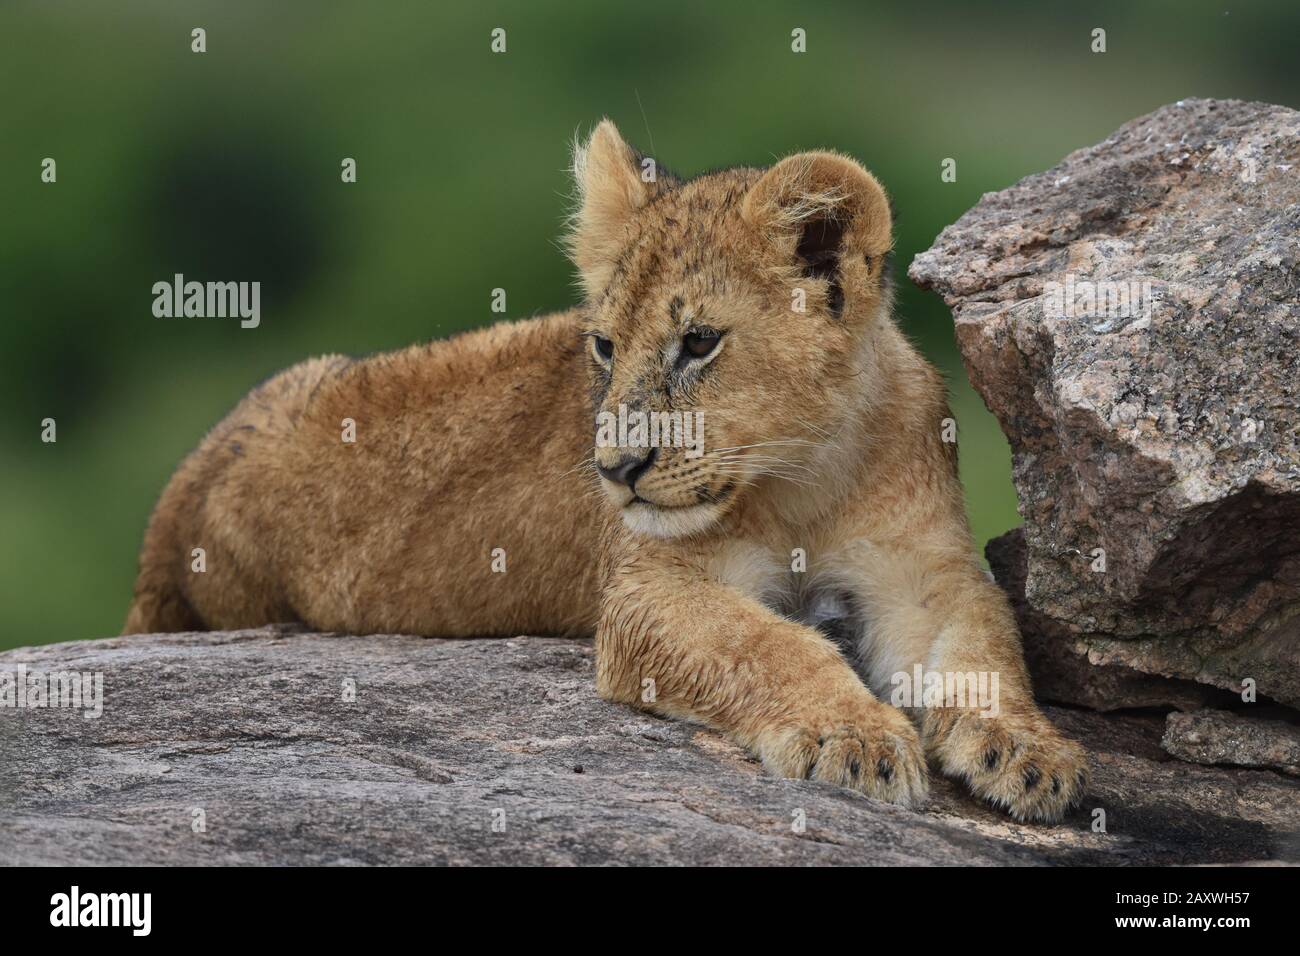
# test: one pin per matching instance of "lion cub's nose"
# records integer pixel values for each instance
(629, 469)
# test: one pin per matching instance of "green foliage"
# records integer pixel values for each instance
(225, 165)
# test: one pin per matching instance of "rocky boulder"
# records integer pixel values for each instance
(266, 747)
(1132, 318)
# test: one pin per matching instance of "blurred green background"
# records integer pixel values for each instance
(225, 166)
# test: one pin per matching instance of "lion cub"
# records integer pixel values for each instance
(459, 488)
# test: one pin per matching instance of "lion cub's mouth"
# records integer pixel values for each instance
(703, 496)
(655, 505)
(674, 521)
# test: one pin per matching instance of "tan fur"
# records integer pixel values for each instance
(822, 433)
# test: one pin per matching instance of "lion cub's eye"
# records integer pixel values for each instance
(700, 344)
(604, 348)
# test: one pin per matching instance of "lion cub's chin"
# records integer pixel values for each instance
(660, 522)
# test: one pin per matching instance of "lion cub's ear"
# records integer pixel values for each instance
(822, 216)
(613, 182)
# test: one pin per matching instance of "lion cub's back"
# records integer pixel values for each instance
(433, 490)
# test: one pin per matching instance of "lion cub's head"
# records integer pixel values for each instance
(728, 323)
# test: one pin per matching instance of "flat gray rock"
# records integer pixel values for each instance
(266, 747)
(1223, 737)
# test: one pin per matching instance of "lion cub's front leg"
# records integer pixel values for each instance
(1009, 754)
(936, 611)
(700, 651)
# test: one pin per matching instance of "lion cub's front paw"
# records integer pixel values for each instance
(1018, 762)
(870, 747)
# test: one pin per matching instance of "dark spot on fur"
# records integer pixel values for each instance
(1032, 776)
(885, 770)
(835, 298)
(991, 757)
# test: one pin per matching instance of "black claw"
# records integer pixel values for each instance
(808, 774)
(1056, 784)
(855, 768)
(885, 770)
(1032, 776)
(991, 758)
